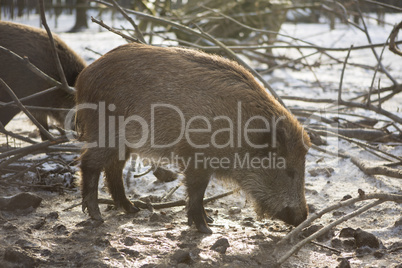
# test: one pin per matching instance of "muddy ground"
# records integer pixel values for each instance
(54, 235)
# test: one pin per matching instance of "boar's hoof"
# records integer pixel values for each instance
(201, 226)
(209, 219)
(131, 209)
(93, 210)
(127, 206)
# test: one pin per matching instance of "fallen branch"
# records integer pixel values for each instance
(376, 170)
(33, 148)
(364, 145)
(324, 230)
(16, 136)
(380, 196)
(361, 134)
(144, 205)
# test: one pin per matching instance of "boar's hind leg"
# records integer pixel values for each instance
(6, 114)
(114, 178)
(42, 119)
(197, 182)
(91, 167)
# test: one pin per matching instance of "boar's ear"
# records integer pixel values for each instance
(281, 142)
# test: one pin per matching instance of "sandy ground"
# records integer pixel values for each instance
(50, 236)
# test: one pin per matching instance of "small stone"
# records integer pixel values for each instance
(336, 243)
(347, 232)
(361, 193)
(311, 230)
(25, 244)
(155, 217)
(90, 223)
(311, 208)
(363, 251)
(364, 238)
(397, 246)
(398, 222)
(60, 229)
(45, 253)
(165, 175)
(187, 245)
(102, 242)
(247, 223)
(315, 228)
(220, 245)
(338, 213)
(52, 216)
(20, 201)
(379, 254)
(234, 210)
(9, 226)
(39, 224)
(128, 241)
(321, 171)
(19, 257)
(346, 197)
(182, 256)
(130, 252)
(349, 243)
(343, 263)
(170, 236)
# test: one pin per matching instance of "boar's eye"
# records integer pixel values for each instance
(290, 173)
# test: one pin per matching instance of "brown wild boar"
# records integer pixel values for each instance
(34, 43)
(203, 113)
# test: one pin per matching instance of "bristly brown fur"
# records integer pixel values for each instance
(134, 77)
(27, 41)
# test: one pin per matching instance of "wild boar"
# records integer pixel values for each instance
(203, 113)
(34, 44)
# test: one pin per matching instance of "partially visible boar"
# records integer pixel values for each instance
(34, 43)
(203, 113)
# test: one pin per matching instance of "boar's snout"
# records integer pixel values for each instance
(293, 216)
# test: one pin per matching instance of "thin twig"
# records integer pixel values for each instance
(25, 110)
(381, 196)
(372, 49)
(343, 72)
(171, 192)
(16, 136)
(392, 36)
(127, 37)
(34, 69)
(209, 38)
(322, 231)
(137, 30)
(35, 95)
(64, 84)
(144, 205)
(35, 147)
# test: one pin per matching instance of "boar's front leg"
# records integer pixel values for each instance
(114, 178)
(197, 182)
(91, 167)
